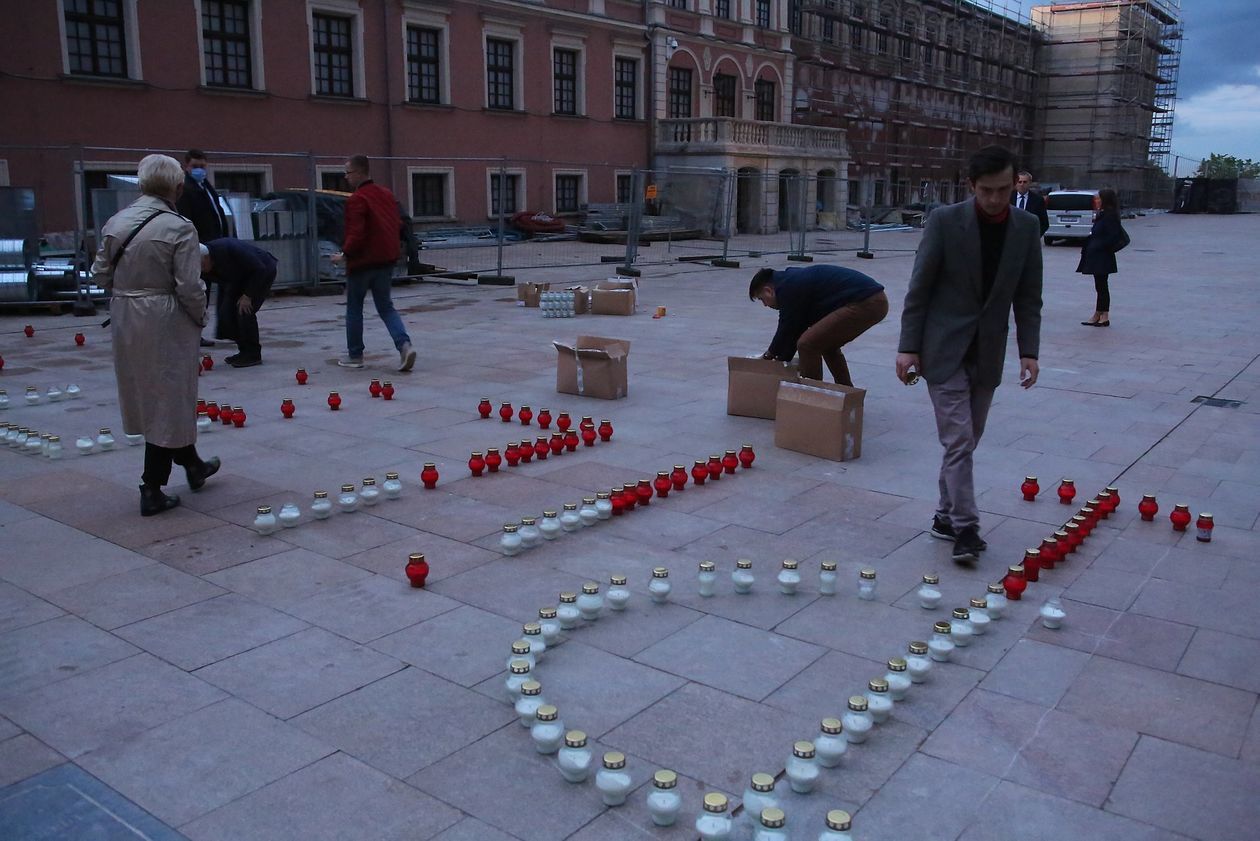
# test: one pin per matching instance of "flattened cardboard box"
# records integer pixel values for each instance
(530, 294)
(821, 419)
(593, 366)
(753, 385)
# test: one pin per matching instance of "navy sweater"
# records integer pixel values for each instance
(805, 296)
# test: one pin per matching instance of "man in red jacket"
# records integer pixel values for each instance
(370, 250)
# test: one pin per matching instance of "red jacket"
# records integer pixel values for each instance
(372, 228)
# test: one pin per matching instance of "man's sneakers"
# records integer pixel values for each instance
(968, 545)
(942, 529)
(406, 357)
(350, 362)
(245, 361)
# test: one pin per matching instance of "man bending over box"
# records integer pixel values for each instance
(821, 309)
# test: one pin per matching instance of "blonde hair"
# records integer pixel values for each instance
(159, 175)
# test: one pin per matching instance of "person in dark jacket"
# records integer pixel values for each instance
(199, 204)
(370, 250)
(821, 309)
(1098, 256)
(1025, 197)
(244, 273)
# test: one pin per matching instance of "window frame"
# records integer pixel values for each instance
(521, 196)
(618, 84)
(575, 44)
(130, 43)
(671, 91)
(215, 171)
(580, 198)
(343, 9)
(761, 105)
(722, 9)
(417, 62)
(763, 15)
(617, 176)
(447, 173)
(253, 46)
(734, 99)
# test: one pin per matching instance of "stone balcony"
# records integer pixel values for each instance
(725, 135)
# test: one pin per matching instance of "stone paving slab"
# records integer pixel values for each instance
(148, 651)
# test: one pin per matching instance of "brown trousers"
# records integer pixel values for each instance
(823, 341)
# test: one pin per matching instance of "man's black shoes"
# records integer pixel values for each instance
(198, 474)
(154, 501)
(968, 546)
(942, 529)
(244, 361)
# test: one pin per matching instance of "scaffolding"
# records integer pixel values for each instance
(1105, 112)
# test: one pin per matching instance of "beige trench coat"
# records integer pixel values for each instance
(157, 312)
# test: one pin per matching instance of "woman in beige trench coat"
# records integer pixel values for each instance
(157, 312)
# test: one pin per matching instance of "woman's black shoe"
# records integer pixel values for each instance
(198, 475)
(154, 501)
(1106, 323)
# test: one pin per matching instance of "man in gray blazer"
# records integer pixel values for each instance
(978, 260)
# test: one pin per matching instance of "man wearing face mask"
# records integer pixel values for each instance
(199, 204)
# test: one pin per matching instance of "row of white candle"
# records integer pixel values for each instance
(34, 398)
(348, 501)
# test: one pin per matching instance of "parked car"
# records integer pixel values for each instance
(1071, 214)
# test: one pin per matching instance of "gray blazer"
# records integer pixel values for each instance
(943, 308)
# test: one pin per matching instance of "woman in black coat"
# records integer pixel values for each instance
(1098, 257)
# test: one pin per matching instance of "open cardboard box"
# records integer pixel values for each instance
(530, 294)
(615, 296)
(593, 366)
(753, 385)
(821, 419)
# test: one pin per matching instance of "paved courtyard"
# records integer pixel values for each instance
(184, 677)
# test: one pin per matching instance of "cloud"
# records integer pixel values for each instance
(1224, 119)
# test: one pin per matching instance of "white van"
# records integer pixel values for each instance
(1071, 214)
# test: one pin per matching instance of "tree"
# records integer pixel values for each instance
(1228, 166)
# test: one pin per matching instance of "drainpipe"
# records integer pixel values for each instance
(389, 110)
(649, 99)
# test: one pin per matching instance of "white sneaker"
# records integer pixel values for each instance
(350, 362)
(406, 357)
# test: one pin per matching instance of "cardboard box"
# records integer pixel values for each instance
(821, 419)
(753, 385)
(529, 294)
(581, 299)
(615, 297)
(593, 366)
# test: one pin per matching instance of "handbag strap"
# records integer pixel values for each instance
(113, 264)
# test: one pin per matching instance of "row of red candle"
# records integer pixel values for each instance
(225, 414)
(524, 451)
(525, 415)
(626, 497)
(1030, 488)
(1056, 548)
(79, 338)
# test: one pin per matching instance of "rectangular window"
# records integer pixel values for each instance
(225, 41)
(879, 193)
(334, 180)
(764, 90)
(907, 39)
(881, 35)
(722, 8)
(929, 48)
(855, 192)
(334, 55)
(626, 88)
(424, 65)
(679, 104)
(763, 14)
(568, 193)
(249, 183)
(500, 73)
(829, 30)
(723, 95)
(564, 70)
(503, 193)
(96, 37)
(428, 194)
(625, 189)
(678, 4)
(856, 34)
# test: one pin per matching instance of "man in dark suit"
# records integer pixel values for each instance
(1025, 198)
(978, 260)
(245, 274)
(199, 204)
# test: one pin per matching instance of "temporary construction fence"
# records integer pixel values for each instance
(473, 219)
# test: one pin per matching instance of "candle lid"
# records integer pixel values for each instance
(789, 564)
(321, 494)
(345, 489)
(664, 779)
(415, 557)
(492, 449)
(996, 589)
(679, 467)
(391, 477)
(868, 574)
(531, 629)
(931, 578)
(369, 481)
(699, 462)
(715, 458)
(54, 439)
(201, 412)
(528, 521)
(743, 563)
(1181, 506)
(877, 684)
(428, 465)
(332, 393)
(547, 712)
(564, 414)
(520, 647)
(531, 687)
(614, 760)
(568, 598)
(662, 474)
(660, 572)
(1068, 482)
(978, 603)
(896, 664)
(570, 506)
(829, 566)
(1061, 534)
(839, 820)
(1030, 478)
(603, 495)
(519, 667)
(832, 726)
(549, 515)
(478, 454)
(1017, 569)
(1148, 496)
(714, 802)
(918, 647)
(762, 782)
(857, 703)
(575, 739)
(1206, 516)
(772, 818)
(803, 748)
(707, 566)
(104, 430)
(730, 452)
(510, 528)
(941, 627)
(546, 613)
(264, 509)
(588, 500)
(617, 580)
(1032, 553)
(590, 588)
(961, 613)
(1111, 489)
